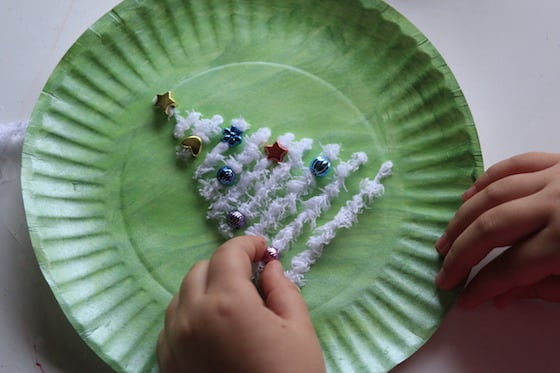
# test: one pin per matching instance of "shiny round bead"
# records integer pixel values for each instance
(320, 166)
(236, 220)
(271, 254)
(232, 136)
(226, 176)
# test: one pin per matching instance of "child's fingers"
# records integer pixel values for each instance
(194, 284)
(165, 357)
(524, 264)
(501, 191)
(281, 295)
(519, 164)
(501, 226)
(170, 314)
(230, 266)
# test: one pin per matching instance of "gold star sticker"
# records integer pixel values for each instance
(275, 152)
(165, 101)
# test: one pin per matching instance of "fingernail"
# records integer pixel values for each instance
(440, 278)
(469, 193)
(275, 266)
(442, 244)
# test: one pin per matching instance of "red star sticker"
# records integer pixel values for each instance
(275, 152)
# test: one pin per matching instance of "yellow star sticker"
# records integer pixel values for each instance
(165, 101)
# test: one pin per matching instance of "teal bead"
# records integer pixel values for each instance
(320, 166)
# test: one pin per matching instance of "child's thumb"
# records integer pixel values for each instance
(280, 294)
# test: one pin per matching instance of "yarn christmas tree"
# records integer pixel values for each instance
(256, 186)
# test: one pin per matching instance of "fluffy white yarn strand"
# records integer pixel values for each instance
(205, 128)
(225, 199)
(216, 155)
(267, 202)
(345, 218)
(315, 206)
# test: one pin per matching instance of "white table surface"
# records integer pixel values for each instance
(505, 55)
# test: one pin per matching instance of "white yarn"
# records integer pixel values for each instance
(331, 151)
(265, 202)
(345, 218)
(282, 207)
(316, 205)
(258, 187)
(201, 127)
(240, 123)
(268, 196)
(224, 199)
(216, 155)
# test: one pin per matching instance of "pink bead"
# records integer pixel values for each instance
(271, 254)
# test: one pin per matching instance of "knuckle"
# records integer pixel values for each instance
(487, 223)
(553, 189)
(494, 193)
(183, 327)
(223, 309)
(177, 321)
(483, 178)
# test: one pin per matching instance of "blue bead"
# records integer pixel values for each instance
(236, 220)
(232, 136)
(320, 166)
(226, 176)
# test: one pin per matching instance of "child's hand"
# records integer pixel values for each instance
(219, 323)
(517, 203)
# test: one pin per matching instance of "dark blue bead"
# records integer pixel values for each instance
(232, 136)
(320, 166)
(226, 176)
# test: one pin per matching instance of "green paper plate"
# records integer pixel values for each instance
(116, 222)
